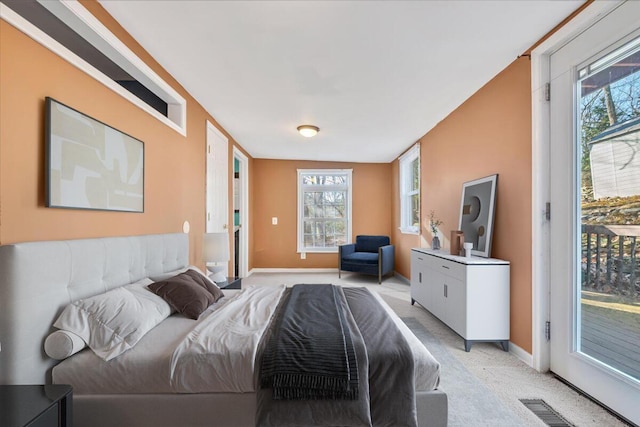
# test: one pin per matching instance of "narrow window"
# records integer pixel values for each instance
(324, 209)
(410, 191)
(73, 33)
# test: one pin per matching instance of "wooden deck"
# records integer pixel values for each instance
(613, 337)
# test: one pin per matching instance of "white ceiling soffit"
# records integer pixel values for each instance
(373, 75)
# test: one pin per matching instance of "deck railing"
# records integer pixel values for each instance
(610, 259)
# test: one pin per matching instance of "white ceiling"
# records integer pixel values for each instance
(373, 75)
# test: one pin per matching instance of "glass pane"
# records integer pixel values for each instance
(415, 175)
(319, 179)
(415, 210)
(308, 241)
(309, 179)
(341, 239)
(326, 214)
(609, 158)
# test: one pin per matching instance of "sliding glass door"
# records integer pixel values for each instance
(595, 220)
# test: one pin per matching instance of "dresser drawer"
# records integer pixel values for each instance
(448, 268)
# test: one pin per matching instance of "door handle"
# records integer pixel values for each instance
(445, 290)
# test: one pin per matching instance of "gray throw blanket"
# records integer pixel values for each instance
(391, 363)
(311, 354)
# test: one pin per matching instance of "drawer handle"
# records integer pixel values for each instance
(444, 266)
(420, 259)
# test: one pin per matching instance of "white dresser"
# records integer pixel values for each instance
(470, 295)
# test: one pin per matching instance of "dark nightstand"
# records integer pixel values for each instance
(36, 405)
(231, 283)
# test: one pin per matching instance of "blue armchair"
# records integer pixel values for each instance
(368, 255)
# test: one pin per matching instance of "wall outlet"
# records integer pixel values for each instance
(303, 255)
(274, 220)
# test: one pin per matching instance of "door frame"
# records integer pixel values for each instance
(243, 262)
(209, 197)
(540, 67)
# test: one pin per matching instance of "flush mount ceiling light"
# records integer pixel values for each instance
(308, 130)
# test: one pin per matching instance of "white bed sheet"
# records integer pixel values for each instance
(147, 367)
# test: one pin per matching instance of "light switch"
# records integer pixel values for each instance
(303, 255)
(274, 220)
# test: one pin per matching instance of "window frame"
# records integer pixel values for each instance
(78, 18)
(406, 193)
(301, 190)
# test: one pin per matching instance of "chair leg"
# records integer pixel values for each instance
(379, 266)
(338, 273)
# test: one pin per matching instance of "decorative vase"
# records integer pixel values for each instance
(435, 243)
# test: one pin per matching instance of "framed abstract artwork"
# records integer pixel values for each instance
(477, 210)
(90, 165)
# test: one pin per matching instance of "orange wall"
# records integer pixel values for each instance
(490, 133)
(275, 194)
(174, 164)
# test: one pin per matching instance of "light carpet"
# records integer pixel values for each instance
(470, 402)
(505, 376)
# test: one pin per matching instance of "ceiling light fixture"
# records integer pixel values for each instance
(308, 130)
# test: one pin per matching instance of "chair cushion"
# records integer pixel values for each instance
(371, 243)
(362, 258)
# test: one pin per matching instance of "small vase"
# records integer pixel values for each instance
(435, 243)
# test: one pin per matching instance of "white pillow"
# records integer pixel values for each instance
(61, 344)
(113, 322)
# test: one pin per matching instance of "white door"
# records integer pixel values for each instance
(217, 187)
(594, 269)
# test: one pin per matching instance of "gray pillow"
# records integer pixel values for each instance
(205, 283)
(186, 295)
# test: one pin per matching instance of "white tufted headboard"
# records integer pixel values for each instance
(38, 279)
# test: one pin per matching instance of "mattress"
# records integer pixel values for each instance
(143, 369)
(147, 368)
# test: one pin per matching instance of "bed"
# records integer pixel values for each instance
(39, 279)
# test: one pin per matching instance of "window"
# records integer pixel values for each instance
(324, 209)
(73, 33)
(410, 190)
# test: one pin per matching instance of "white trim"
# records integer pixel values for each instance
(217, 131)
(539, 224)
(210, 171)
(319, 251)
(540, 173)
(402, 278)
(411, 231)
(244, 211)
(82, 21)
(521, 354)
(300, 237)
(404, 161)
(293, 270)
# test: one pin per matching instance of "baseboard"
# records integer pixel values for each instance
(402, 278)
(521, 354)
(293, 270)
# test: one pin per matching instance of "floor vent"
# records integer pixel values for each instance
(545, 413)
